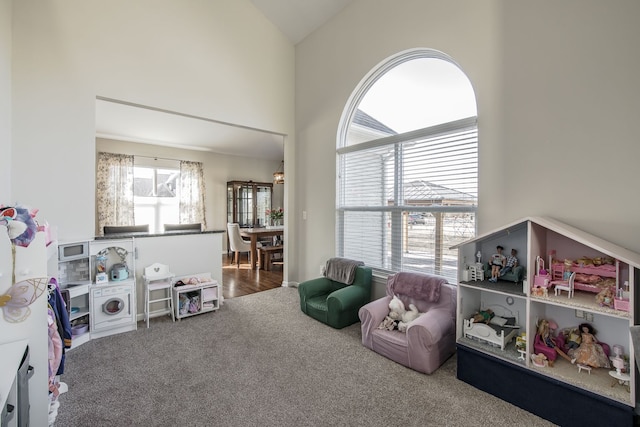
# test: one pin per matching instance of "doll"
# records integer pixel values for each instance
(573, 339)
(497, 263)
(589, 352)
(544, 330)
(511, 263)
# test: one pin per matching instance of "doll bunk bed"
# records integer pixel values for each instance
(589, 278)
(500, 330)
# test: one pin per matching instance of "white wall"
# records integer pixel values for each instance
(216, 59)
(218, 169)
(5, 102)
(557, 94)
(332, 61)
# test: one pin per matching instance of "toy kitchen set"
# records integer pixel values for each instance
(100, 280)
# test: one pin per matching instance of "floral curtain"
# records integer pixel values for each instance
(114, 190)
(192, 193)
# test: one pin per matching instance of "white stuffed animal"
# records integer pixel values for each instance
(396, 308)
(396, 311)
(408, 317)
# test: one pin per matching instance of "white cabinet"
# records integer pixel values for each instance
(485, 347)
(200, 294)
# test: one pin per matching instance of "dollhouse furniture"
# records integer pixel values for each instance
(590, 278)
(564, 285)
(584, 368)
(516, 275)
(500, 330)
(335, 303)
(157, 280)
(430, 339)
(473, 273)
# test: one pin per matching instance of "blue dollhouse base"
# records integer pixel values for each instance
(552, 400)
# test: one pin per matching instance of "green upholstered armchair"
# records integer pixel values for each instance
(335, 303)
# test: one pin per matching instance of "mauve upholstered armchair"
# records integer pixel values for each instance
(431, 338)
(335, 303)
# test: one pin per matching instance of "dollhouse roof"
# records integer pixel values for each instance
(580, 236)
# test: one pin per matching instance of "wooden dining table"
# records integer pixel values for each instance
(254, 234)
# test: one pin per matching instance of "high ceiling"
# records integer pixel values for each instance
(299, 18)
(123, 121)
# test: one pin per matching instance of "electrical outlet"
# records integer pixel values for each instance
(588, 317)
(580, 314)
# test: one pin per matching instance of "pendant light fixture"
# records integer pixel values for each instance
(278, 175)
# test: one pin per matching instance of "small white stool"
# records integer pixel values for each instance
(585, 367)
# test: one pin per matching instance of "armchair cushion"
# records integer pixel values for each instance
(335, 303)
(428, 341)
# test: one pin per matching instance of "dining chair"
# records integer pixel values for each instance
(125, 229)
(564, 285)
(183, 227)
(237, 243)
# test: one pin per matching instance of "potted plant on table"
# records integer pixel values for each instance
(275, 216)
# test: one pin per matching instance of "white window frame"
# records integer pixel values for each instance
(397, 212)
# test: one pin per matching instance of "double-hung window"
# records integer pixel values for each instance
(405, 193)
(155, 190)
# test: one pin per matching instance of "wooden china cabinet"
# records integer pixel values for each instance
(247, 202)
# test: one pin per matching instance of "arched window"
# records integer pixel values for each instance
(407, 165)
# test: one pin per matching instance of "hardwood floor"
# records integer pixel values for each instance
(244, 281)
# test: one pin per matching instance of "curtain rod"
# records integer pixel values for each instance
(159, 158)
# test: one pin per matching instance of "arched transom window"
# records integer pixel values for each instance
(407, 166)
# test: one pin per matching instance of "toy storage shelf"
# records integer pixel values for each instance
(598, 388)
(202, 296)
(79, 313)
(74, 276)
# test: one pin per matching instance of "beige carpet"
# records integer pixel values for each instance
(259, 361)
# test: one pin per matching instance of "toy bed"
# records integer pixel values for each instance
(502, 328)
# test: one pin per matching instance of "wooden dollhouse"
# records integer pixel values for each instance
(603, 277)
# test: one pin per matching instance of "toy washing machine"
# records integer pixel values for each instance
(113, 309)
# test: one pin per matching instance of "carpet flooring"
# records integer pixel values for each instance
(259, 361)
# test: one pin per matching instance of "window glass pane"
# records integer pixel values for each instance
(167, 182)
(366, 237)
(143, 181)
(413, 95)
(263, 200)
(367, 177)
(145, 214)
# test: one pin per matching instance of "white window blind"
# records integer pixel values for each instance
(404, 200)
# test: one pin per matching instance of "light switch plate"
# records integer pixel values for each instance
(580, 314)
